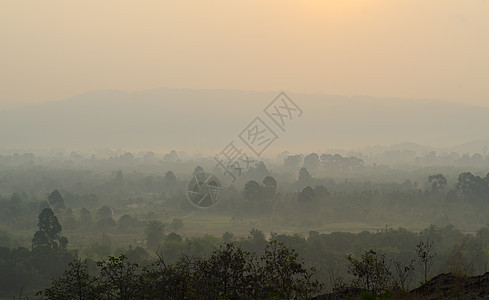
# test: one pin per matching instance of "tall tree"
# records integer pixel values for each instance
(284, 275)
(426, 254)
(49, 233)
(307, 195)
(76, 283)
(270, 183)
(371, 272)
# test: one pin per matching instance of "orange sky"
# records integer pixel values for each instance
(387, 48)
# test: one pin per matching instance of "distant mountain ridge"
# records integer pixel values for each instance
(207, 120)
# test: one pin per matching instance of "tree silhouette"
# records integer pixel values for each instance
(76, 283)
(49, 233)
(283, 274)
(270, 183)
(426, 254)
(198, 170)
(321, 192)
(307, 195)
(370, 271)
(56, 201)
(251, 190)
(117, 278)
(170, 179)
(438, 182)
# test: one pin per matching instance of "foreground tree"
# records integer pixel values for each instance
(228, 273)
(117, 278)
(76, 283)
(426, 254)
(284, 275)
(403, 273)
(370, 272)
(304, 176)
(307, 195)
(270, 184)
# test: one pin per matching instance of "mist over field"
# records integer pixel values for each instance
(112, 180)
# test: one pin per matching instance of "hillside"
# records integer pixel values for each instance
(206, 120)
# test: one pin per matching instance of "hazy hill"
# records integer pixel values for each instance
(207, 120)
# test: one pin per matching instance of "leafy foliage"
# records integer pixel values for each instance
(229, 272)
(76, 283)
(56, 201)
(370, 272)
(438, 182)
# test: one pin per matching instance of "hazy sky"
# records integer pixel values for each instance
(411, 48)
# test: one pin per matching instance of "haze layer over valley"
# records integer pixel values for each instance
(203, 121)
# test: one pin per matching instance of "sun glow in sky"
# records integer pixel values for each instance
(386, 48)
